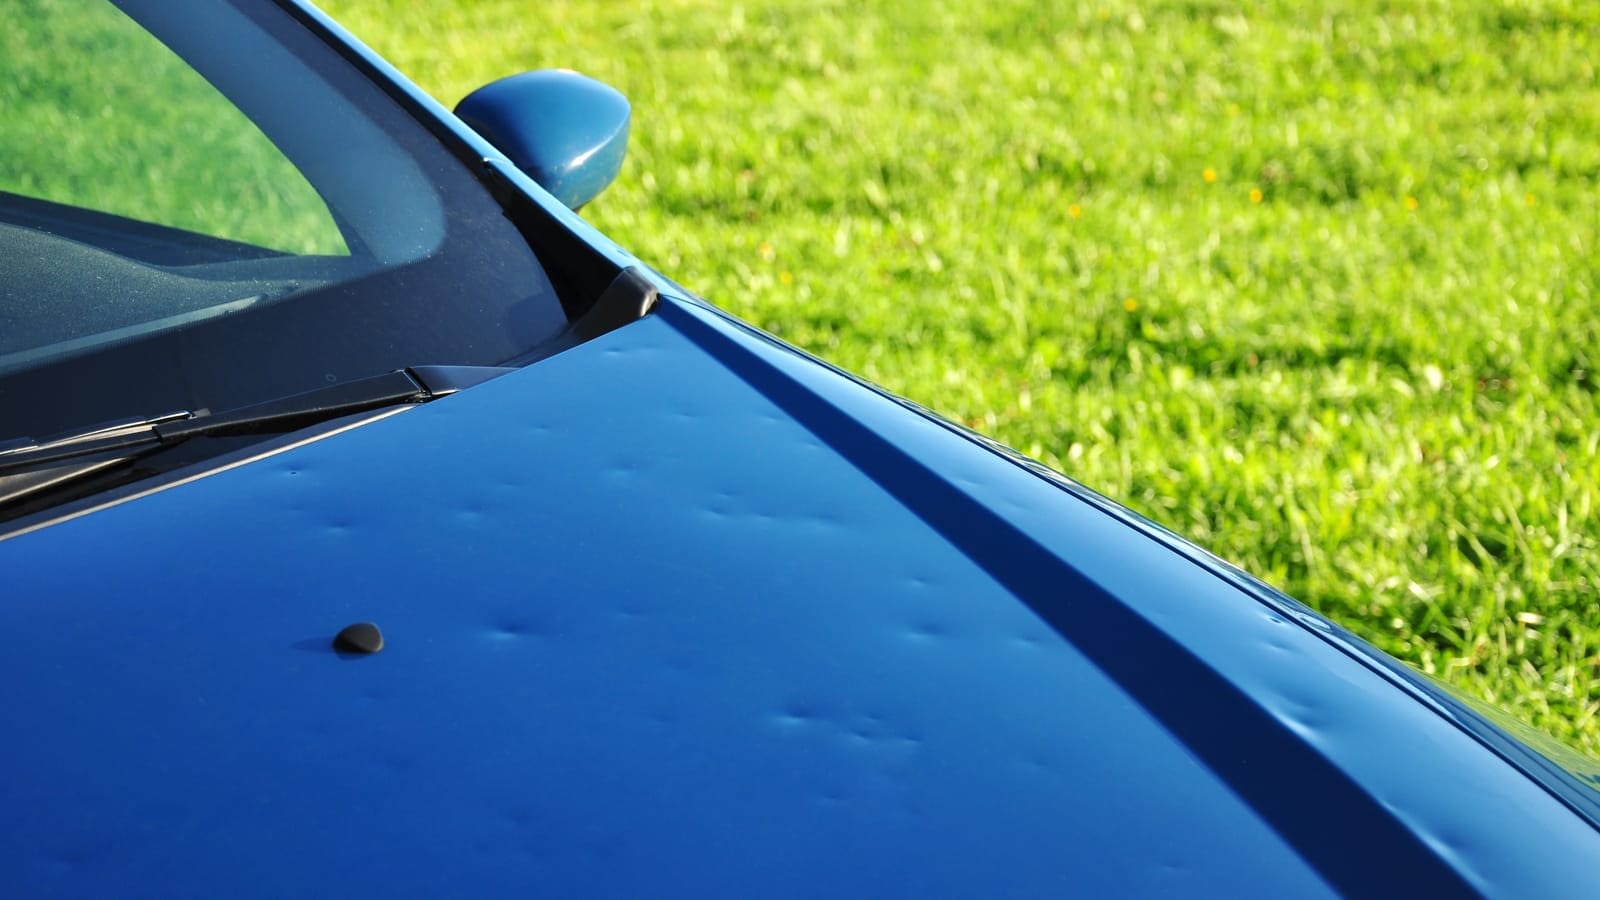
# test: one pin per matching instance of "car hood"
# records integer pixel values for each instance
(683, 610)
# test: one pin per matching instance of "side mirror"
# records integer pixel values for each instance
(566, 131)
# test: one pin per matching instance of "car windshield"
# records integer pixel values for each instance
(202, 206)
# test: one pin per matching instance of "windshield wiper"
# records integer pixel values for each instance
(28, 466)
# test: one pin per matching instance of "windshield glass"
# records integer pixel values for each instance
(202, 207)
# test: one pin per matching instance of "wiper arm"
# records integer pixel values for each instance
(25, 464)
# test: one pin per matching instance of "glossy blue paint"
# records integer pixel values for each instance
(565, 130)
(685, 611)
(1404, 741)
(681, 611)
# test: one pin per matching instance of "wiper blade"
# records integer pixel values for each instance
(26, 465)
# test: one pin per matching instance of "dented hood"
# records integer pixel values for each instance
(684, 611)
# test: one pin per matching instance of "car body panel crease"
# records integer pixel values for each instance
(588, 678)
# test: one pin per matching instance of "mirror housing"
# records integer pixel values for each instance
(564, 130)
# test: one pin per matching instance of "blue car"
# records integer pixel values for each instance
(370, 525)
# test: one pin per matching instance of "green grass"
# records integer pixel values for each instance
(1312, 284)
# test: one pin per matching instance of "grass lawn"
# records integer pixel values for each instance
(1314, 285)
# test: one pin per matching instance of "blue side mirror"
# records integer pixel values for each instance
(566, 131)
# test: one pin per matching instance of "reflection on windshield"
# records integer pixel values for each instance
(142, 135)
(204, 206)
(158, 202)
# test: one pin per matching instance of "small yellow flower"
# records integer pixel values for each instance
(1411, 203)
(1210, 175)
(1255, 195)
(1074, 210)
(1528, 199)
(1130, 304)
(765, 249)
(786, 277)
